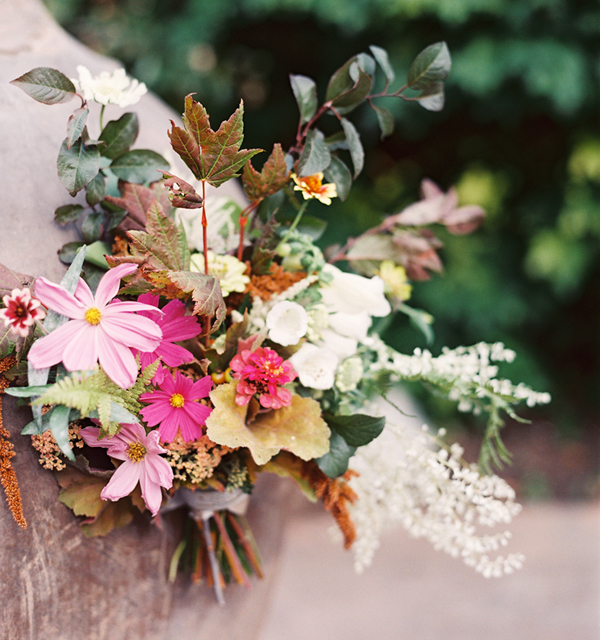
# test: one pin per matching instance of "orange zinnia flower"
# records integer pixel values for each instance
(313, 187)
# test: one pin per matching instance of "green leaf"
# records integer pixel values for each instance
(421, 320)
(273, 177)
(68, 251)
(206, 293)
(77, 165)
(139, 166)
(431, 65)
(305, 92)
(335, 462)
(381, 56)
(76, 124)
(312, 227)
(385, 120)
(68, 213)
(338, 173)
(91, 229)
(95, 190)
(27, 392)
(46, 85)
(432, 97)
(358, 429)
(315, 156)
(163, 243)
(119, 135)
(347, 76)
(354, 146)
(214, 157)
(95, 254)
(59, 426)
(349, 100)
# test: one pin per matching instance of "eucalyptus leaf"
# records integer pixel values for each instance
(355, 147)
(27, 392)
(68, 213)
(335, 462)
(59, 426)
(46, 85)
(315, 156)
(381, 55)
(118, 413)
(139, 166)
(338, 173)
(385, 120)
(119, 135)
(431, 65)
(305, 92)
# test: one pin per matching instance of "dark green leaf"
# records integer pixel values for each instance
(354, 145)
(68, 252)
(335, 462)
(350, 99)
(338, 173)
(139, 166)
(381, 56)
(347, 76)
(68, 213)
(77, 165)
(305, 92)
(91, 228)
(315, 156)
(119, 135)
(357, 429)
(46, 85)
(95, 190)
(421, 320)
(431, 65)
(385, 119)
(337, 141)
(76, 124)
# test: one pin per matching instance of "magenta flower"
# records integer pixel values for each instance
(262, 372)
(173, 407)
(21, 311)
(97, 331)
(142, 463)
(175, 326)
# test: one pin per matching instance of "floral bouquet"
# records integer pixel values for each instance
(195, 343)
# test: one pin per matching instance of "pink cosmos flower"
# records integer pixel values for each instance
(142, 463)
(97, 331)
(173, 407)
(261, 372)
(21, 311)
(175, 326)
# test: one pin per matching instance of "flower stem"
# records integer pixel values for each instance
(293, 225)
(102, 117)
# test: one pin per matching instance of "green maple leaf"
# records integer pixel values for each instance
(273, 177)
(212, 156)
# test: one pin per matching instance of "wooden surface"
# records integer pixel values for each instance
(54, 582)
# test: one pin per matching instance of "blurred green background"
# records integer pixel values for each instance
(519, 135)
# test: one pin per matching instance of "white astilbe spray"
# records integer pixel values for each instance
(404, 477)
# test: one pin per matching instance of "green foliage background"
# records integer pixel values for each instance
(519, 135)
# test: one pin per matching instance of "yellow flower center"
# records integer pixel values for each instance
(312, 183)
(177, 400)
(93, 315)
(136, 451)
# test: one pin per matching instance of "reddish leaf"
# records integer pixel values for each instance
(206, 293)
(273, 177)
(163, 244)
(181, 194)
(137, 199)
(214, 157)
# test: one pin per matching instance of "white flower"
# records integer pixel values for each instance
(342, 346)
(349, 374)
(351, 325)
(287, 323)
(351, 293)
(109, 88)
(228, 270)
(315, 366)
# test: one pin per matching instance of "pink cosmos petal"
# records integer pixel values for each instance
(84, 294)
(198, 412)
(132, 305)
(81, 352)
(110, 283)
(123, 481)
(151, 492)
(134, 331)
(153, 413)
(172, 355)
(55, 297)
(168, 432)
(48, 350)
(201, 388)
(117, 361)
(159, 470)
(190, 430)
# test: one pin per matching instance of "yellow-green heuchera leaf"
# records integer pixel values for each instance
(298, 428)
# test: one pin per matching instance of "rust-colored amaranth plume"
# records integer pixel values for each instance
(8, 477)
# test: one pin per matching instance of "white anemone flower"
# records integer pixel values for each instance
(109, 88)
(315, 366)
(287, 322)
